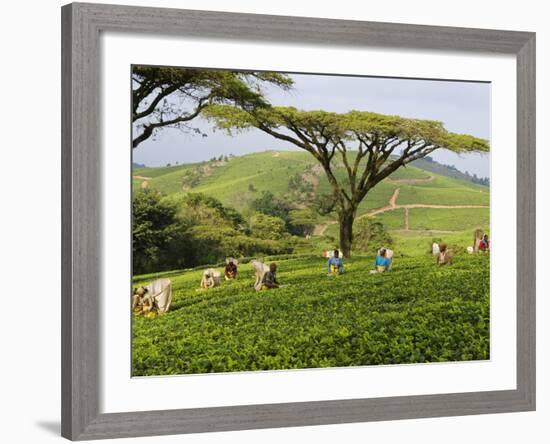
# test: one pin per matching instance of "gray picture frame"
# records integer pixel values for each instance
(81, 175)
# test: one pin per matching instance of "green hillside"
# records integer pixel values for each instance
(239, 180)
(428, 164)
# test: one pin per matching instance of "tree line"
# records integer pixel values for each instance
(183, 231)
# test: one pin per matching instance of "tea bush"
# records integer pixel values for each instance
(418, 313)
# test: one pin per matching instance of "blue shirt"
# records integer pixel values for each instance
(337, 262)
(382, 261)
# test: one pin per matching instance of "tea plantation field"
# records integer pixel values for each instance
(231, 181)
(417, 313)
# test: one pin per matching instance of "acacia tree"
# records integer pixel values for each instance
(366, 146)
(172, 97)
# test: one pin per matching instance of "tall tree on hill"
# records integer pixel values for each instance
(172, 97)
(358, 142)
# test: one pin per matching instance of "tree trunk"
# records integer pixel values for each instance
(346, 218)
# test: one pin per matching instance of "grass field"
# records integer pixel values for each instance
(417, 313)
(229, 181)
(444, 191)
(392, 220)
(455, 219)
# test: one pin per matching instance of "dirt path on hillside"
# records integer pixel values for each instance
(145, 182)
(320, 229)
(411, 181)
(392, 205)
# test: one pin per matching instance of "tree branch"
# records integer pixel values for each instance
(149, 129)
(162, 94)
(264, 127)
(340, 146)
(406, 157)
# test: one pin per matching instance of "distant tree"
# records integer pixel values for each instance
(201, 208)
(268, 204)
(480, 180)
(298, 184)
(370, 235)
(267, 227)
(177, 231)
(154, 229)
(209, 244)
(252, 188)
(192, 177)
(172, 97)
(302, 221)
(360, 141)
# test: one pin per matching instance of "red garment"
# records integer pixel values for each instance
(483, 244)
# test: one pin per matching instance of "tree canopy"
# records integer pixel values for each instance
(172, 97)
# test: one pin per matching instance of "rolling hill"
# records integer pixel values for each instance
(411, 203)
(238, 180)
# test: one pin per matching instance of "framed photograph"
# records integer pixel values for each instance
(278, 221)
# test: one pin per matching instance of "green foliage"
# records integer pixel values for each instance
(303, 221)
(155, 232)
(418, 313)
(210, 244)
(264, 226)
(172, 97)
(331, 137)
(325, 203)
(350, 126)
(268, 204)
(297, 184)
(230, 182)
(188, 230)
(227, 185)
(370, 235)
(297, 221)
(199, 209)
(192, 177)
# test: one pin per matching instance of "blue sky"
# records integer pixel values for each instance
(464, 107)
